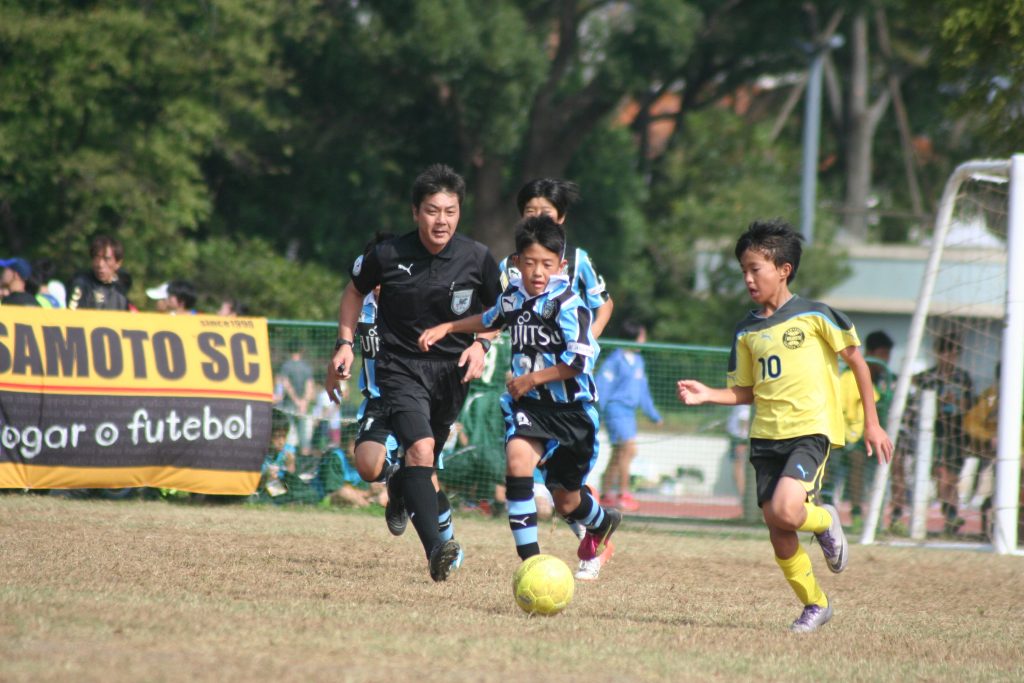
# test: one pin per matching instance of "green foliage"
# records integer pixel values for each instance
(248, 269)
(982, 41)
(725, 175)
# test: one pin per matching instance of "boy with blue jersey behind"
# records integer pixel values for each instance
(784, 362)
(549, 409)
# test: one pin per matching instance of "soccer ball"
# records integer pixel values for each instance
(543, 584)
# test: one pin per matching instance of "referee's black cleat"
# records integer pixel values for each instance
(394, 513)
(445, 559)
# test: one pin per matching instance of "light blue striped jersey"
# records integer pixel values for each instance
(369, 343)
(545, 330)
(586, 282)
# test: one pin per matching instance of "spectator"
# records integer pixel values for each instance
(621, 389)
(51, 292)
(299, 391)
(159, 295)
(738, 428)
(341, 481)
(279, 461)
(181, 297)
(106, 286)
(955, 396)
(15, 279)
(853, 463)
(231, 308)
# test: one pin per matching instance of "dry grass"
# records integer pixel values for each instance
(94, 591)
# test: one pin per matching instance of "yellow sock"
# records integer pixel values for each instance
(818, 519)
(800, 575)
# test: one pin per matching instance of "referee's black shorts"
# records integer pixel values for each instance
(423, 396)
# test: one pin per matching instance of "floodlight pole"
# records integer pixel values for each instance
(812, 133)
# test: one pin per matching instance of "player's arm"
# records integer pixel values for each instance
(473, 323)
(875, 438)
(602, 314)
(518, 386)
(340, 366)
(694, 393)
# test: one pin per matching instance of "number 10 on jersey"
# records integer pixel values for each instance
(771, 367)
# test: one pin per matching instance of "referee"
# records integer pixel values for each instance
(426, 277)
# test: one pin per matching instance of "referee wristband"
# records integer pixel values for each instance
(342, 342)
(486, 343)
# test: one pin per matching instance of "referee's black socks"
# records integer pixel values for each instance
(421, 504)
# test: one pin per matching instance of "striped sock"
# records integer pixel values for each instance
(445, 523)
(522, 515)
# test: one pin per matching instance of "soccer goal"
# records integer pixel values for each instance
(956, 410)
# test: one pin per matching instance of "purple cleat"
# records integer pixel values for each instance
(833, 543)
(812, 618)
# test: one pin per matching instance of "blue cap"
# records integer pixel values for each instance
(18, 265)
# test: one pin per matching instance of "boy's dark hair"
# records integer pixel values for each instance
(774, 238)
(631, 328)
(437, 178)
(99, 244)
(237, 307)
(183, 291)
(561, 193)
(542, 230)
(947, 342)
(278, 427)
(878, 340)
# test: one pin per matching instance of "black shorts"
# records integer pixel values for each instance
(423, 396)
(568, 432)
(373, 422)
(803, 458)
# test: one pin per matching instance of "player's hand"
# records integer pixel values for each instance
(876, 441)
(432, 335)
(691, 392)
(519, 386)
(473, 360)
(338, 370)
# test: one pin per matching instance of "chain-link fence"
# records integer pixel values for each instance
(684, 467)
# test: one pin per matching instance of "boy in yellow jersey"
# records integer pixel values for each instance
(784, 362)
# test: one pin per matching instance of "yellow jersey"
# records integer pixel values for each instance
(790, 360)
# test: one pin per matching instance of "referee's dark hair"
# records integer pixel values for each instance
(776, 239)
(561, 193)
(438, 178)
(542, 230)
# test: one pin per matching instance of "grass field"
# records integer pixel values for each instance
(135, 591)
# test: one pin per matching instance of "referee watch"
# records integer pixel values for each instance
(342, 342)
(486, 343)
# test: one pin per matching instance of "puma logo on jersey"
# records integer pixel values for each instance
(803, 472)
(407, 269)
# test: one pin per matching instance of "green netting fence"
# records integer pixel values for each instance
(683, 467)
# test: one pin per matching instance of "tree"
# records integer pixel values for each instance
(110, 113)
(982, 59)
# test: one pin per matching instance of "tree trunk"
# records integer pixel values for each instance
(863, 122)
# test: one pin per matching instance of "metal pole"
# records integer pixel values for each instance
(923, 465)
(1008, 447)
(812, 128)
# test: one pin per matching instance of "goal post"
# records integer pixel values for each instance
(979, 325)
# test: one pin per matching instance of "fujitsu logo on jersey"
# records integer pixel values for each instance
(529, 331)
(368, 339)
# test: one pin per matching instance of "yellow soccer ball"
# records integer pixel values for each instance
(543, 584)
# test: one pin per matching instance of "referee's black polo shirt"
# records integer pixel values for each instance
(420, 290)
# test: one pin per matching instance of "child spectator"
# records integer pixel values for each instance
(622, 389)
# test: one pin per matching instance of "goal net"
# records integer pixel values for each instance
(956, 410)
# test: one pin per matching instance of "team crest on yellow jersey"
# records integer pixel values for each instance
(793, 338)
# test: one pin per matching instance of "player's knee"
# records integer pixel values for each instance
(420, 454)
